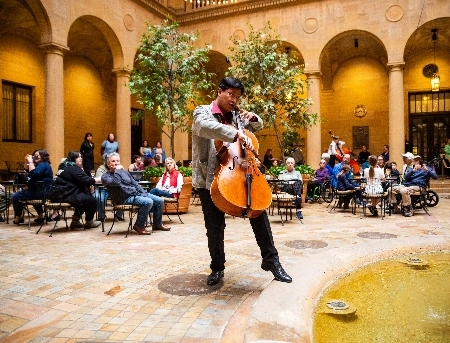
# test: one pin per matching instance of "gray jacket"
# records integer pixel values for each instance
(205, 129)
(122, 178)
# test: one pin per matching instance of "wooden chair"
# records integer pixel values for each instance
(283, 200)
(172, 205)
(119, 204)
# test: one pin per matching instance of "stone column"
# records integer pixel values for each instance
(396, 112)
(123, 115)
(54, 101)
(313, 139)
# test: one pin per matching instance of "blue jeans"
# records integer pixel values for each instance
(149, 203)
(161, 193)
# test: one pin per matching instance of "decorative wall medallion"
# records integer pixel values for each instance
(360, 111)
(394, 13)
(310, 25)
(128, 21)
(239, 35)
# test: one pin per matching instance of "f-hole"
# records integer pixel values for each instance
(234, 165)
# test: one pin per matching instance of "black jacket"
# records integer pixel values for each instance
(71, 185)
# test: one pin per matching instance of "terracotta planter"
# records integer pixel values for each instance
(305, 178)
(185, 197)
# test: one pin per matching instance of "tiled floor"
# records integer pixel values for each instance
(84, 286)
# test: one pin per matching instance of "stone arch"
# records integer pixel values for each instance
(346, 46)
(115, 47)
(26, 18)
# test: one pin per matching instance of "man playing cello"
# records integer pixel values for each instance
(218, 121)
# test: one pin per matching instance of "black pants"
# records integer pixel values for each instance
(215, 226)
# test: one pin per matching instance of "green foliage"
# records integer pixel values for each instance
(303, 169)
(169, 76)
(149, 172)
(275, 171)
(186, 171)
(273, 83)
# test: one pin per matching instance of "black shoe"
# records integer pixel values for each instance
(119, 218)
(277, 271)
(214, 278)
(55, 219)
(299, 215)
(21, 220)
(39, 220)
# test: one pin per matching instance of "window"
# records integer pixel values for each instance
(16, 112)
(430, 102)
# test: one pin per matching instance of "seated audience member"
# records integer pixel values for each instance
(39, 169)
(102, 195)
(326, 157)
(374, 178)
(320, 176)
(72, 185)
(158, 161)
(137, 164)
(132, 192)
(275, 163)
(363, 157)
(385, 153)
(407, 161)
(169, 185)
(294, 184)
(149, 161)
(416, 176)
(343, 184)
(337, 169)
(380, 162)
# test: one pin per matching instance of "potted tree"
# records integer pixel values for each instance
(169, 76)
(273, 81)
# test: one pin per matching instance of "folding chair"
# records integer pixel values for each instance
(282, 199)
(38, 196)
(119, 204)
(61, 206)
(340, 196)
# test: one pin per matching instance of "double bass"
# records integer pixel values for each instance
(239, 188)
(341, 151)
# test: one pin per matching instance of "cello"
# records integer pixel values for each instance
(239, 188)
(340, 152)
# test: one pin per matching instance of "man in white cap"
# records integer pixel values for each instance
(408, 161)
(415, 177)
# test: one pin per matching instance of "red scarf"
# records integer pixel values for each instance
(173, 180)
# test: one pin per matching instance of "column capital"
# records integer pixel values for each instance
(395, 66)
(313, 74)
(122, 72)
(54, 48)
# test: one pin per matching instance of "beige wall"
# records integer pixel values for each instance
(359, 81)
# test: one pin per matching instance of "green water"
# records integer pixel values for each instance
(394, 302)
